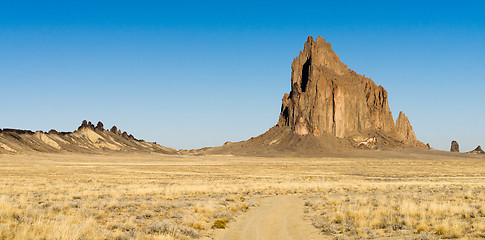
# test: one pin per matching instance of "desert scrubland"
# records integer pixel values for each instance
(154, 196)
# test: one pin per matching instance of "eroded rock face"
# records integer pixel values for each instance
(326, 96)
(455, 147)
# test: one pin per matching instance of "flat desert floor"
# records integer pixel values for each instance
(404, 195)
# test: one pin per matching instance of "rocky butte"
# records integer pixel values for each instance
(331, 106)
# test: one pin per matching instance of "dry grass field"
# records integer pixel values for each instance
(152, 196)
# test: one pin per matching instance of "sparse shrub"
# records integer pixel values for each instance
(424, 236)
(178, 215)
(75, 205)
(168, 227)
(188, 231)
(145, 215)
(198, 225)
(226, 215)
(164, 226)
(123, 236)
(219, 223)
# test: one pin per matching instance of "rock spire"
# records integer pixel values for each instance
(455, 147)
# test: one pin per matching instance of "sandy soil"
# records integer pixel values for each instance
(278, 217)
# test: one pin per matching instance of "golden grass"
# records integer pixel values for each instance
(149, 196)
(383, 210)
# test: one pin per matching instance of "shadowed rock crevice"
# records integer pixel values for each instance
(304, 74)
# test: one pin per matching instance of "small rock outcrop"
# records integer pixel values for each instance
(455, 147)
(125, 135)
(99, 126)
(86, 124)
(478, 150)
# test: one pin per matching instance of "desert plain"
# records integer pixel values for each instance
(400, 194)
(335, 166)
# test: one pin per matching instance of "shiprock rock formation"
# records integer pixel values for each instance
(477, 150)
(455, 147)
(328, 97)
(331, 106)
(86, 139)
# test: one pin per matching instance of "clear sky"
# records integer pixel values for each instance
(190, 74)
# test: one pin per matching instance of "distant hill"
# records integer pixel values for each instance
(86, 139)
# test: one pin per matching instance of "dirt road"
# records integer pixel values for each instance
(278, 217)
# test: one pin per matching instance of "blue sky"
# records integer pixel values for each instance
(190, 74)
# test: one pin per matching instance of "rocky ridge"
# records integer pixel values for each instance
(86, 139)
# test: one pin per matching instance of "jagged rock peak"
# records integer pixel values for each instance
(100, 126)
(125, 135)
(455, 147)
(86, 124)
(320, 54)
(404, 128)
(114, 129)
